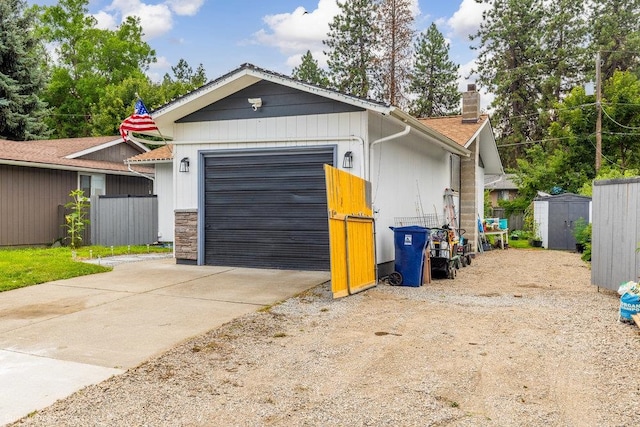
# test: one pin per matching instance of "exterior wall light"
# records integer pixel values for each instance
(184, 165)
(347, 160)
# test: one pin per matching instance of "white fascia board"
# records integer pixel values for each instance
(326, 93)
(104, 146)
(166, 116)
(489, 150)
(64, 167)
(147, 162)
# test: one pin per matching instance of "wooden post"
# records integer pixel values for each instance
(598, 114)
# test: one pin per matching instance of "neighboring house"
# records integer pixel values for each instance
(36, 178)
(255, 143)
(500, 187)
(472, 131)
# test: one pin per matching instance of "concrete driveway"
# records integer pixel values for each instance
(58, 337)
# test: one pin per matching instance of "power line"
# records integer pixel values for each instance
(535, 142)
(619, 124)
(589, 136)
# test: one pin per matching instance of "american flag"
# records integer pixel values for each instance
(139, 121)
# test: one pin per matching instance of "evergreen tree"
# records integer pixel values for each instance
(309, 71)
(351, 42)
(510, 66)
(565, 57)
(183, 81)
(395, 21)
(21, 75)
(615, 31)
(434, 78)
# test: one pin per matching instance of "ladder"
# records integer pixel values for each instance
(450, 210)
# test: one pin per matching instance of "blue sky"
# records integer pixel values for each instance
(273, 34)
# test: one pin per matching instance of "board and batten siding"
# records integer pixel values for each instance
(29, 199)
(408, 179)
(615, 232)
(163, 188)
(278, 132)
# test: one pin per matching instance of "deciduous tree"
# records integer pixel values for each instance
(88, 60)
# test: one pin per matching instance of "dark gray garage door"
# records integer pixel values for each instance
(267, 209)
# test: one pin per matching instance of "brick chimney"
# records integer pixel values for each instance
(471, 104)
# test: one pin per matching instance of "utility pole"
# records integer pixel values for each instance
(598, 113)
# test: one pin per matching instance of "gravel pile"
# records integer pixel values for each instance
(518, 338)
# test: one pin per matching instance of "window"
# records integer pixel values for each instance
(92, 185)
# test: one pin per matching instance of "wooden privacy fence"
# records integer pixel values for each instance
(124, 220)
(615, 233)
(515, 220)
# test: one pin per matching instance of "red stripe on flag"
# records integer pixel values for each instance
(137, 122)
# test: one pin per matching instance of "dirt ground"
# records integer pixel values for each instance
(520, 337)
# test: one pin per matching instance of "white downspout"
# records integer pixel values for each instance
(140, 173)
(378, 141)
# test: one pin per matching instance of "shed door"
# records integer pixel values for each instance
(267, 209)
(562, 218)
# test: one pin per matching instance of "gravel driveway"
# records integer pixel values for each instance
(519, 338)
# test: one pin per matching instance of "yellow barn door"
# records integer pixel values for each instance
(351, 233)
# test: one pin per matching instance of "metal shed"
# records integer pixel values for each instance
(616, 232)
(556, 217)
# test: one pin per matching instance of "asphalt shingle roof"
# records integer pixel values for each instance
(159, 154)
(54, 152)
(453, 127)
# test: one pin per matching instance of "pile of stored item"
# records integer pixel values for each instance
(630, 302)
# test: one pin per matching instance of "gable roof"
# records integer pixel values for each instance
(500, 182)
(65, 154)
(162, 154)
(465, 133)
(453, 127)
(248, 74)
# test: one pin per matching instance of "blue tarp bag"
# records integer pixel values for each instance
(629, 305)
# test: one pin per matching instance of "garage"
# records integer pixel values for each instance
(267, 208)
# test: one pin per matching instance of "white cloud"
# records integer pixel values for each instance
(155, 19)
(466, 20)
(185, 7)
(296, 32)
(295, 60)
(158, 69)
(105, 21)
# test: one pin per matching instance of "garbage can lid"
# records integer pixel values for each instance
(410, 228)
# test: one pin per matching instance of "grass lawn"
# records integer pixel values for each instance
(31, 266)
(520, 244)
